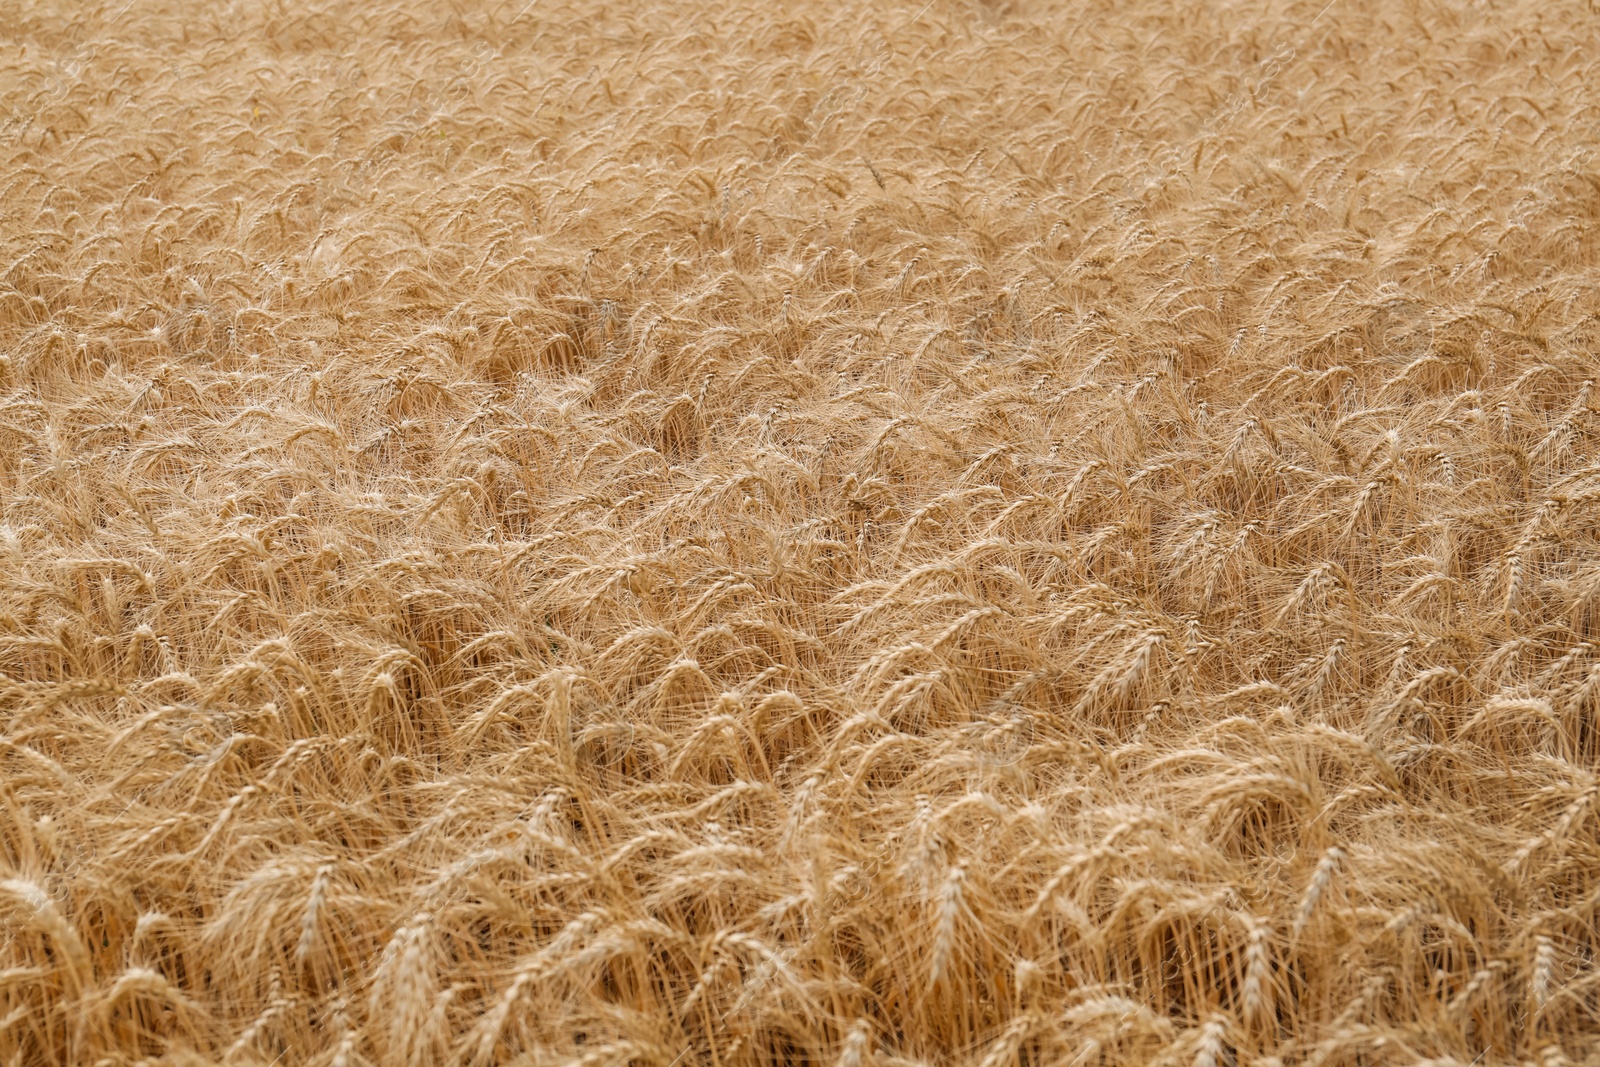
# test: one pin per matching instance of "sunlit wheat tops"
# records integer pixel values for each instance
(670, 534)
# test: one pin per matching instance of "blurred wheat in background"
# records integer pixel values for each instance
(799, 533)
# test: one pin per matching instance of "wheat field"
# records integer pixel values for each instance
(812, 533)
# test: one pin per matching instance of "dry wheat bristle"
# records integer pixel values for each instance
(979, 532)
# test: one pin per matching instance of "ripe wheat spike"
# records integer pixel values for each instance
(982, 532)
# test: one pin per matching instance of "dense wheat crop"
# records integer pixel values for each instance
(817, 532)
